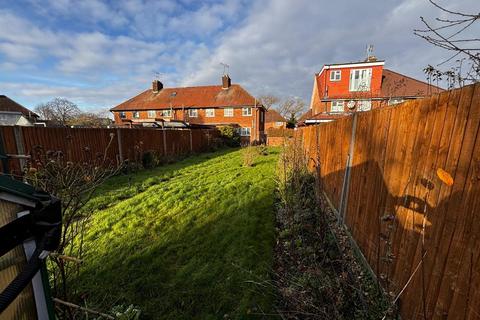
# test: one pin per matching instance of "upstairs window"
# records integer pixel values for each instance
(245, 132)
(210, 113)
(122, 114)
(167, 113)
(193, 113)
(337, 106)
(136, 114)
(151, 113)
(360, 79)
(335, 75)
(246, 112)
(228, 112)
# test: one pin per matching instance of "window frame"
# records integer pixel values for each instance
(228, 115)
(246, 111)
(136, 114)
(243, 131)
(338, 104)
(207, 112)
(193, 113)
(361, 105)
(122, 115)
(167, 113)
(334, 73)
(355, 86)
(149, 114)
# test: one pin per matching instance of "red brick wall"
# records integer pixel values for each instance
(253, 122)
(341, 89)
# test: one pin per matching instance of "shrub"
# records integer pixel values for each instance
(249, 154)
(229, 136)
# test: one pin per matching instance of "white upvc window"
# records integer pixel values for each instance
(360, 79)
(122, 114)
(228, 112)
(337, 106)
(335, 75)
(136, 114)
(245, 132)
(210, 112)
(193, 113)
(393, 101)
(167, 113)
(278, 124)
(364, 105)
(246, 112)
(151, 113)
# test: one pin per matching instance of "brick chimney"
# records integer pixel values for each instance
(157, 86)
(226, 81)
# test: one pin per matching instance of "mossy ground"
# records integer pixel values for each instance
(183, 241)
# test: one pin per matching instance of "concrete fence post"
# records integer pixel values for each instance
(346, 179)
(164, 142)
(119, 140)
(191, 141)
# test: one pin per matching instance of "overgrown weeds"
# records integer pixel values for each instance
(317, 273)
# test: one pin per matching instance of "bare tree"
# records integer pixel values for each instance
(452, 34)
(90, 119)
(291, 107)
(59, 109)
(268, 100)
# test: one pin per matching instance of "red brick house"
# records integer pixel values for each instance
(220, 105)
(273, 119)
(341, 89)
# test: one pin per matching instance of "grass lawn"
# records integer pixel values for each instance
(183, 241)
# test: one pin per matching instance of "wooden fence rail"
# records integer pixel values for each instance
(119, 144)
(379, 170)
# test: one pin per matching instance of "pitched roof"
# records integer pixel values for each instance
(273, 116)
(395, 84)
(7, 104)
(177, 98)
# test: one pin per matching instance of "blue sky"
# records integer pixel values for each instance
(99, 53)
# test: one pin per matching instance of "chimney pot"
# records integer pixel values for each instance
(226, 81)
(157, 86)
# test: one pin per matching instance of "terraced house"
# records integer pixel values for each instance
(217, 105)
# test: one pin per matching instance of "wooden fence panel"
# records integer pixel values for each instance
(90, 144)
(415, 231)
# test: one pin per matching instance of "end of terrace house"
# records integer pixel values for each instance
(213, 105)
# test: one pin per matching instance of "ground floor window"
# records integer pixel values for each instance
(393, 101)
(245, 132)
(364, 105)
(337, 106)
(210, 113)
(151, 113)
(192, 113)
(167, 113)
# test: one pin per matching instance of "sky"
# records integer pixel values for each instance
(99, 53)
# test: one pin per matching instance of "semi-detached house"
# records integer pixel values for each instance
(217, 105)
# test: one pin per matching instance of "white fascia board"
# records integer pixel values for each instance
(352, 65)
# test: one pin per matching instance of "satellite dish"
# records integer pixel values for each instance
(351, 104)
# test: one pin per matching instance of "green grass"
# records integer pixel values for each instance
(184, 241)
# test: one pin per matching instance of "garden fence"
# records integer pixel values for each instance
(419, 232)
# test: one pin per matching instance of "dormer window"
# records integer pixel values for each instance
(335, 75)
(360, 79)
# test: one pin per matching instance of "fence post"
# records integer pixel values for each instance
(164, 142)
(346, 179)
(191, 141)
(119, 140)
(18, 134)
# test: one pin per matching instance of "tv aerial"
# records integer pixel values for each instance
(226, 67)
